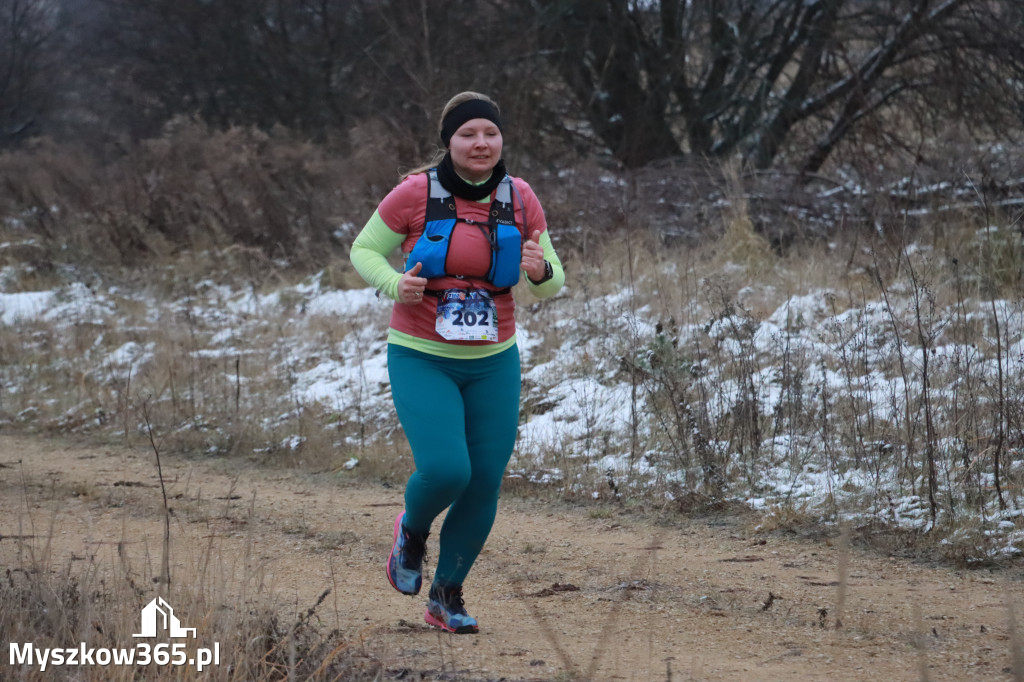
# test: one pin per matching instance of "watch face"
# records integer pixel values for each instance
(548, 273)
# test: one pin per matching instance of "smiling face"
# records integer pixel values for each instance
(476, 149)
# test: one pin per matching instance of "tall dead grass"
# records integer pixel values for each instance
(93, 602)
(882, 369)
(243, 200)
(698, 342)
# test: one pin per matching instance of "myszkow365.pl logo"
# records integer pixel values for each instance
(157, 616)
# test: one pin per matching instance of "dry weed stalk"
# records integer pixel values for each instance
(844, 572)
(1016, 645)
(165, 556)
(921, 644)
(54, 602)
(627, 590)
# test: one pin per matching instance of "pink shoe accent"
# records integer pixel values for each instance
(437, 622)
(431, 620)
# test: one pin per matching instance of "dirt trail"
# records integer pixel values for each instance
(698, 601)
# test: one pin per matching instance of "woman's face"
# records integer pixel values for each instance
(476, 149)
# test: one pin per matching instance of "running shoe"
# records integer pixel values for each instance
(405, 563)
(447, 611)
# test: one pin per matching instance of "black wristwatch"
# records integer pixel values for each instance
(548, 274)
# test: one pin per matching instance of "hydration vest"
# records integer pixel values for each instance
(431, 249)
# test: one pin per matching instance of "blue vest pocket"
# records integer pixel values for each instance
(506, 256)
(431, 248)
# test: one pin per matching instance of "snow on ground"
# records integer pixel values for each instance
(832, 388)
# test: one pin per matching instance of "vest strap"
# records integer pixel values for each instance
(501, 232)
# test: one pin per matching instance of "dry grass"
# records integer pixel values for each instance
(93, 603)
(941, 347)
(241, 201)
(203, 246)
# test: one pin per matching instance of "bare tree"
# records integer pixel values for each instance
(778, 82)
(338, 69)
(322, 68)
(27, 66)
(771, 78)
(232, 61)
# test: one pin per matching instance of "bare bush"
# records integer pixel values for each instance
(233, 192)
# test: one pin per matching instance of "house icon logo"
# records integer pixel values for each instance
(159, 613)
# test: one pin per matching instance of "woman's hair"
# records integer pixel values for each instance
(452, 103)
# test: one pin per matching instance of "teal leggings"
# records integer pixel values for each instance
(460, 417)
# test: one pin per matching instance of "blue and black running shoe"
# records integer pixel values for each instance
(405, 563)
(447, 611)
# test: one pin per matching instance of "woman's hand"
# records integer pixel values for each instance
(411, 286)
(533, 257)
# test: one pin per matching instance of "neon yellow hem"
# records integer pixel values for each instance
(449, 350)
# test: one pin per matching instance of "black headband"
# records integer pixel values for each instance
(467, 111)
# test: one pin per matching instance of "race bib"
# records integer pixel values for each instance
(467, 315)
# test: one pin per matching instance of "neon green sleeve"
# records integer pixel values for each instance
(552, 286)
(370, 251)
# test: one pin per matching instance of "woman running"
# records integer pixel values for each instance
(468, 230)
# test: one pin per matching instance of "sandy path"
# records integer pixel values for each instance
(688, 601)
